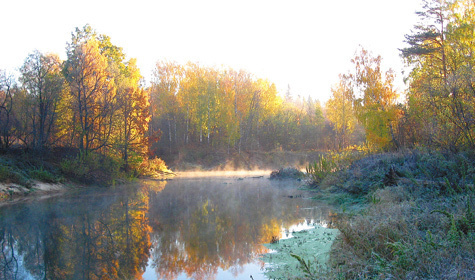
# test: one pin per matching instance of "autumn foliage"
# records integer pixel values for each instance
(92, 102)
(97, 102)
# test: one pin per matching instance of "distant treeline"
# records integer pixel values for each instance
(199, 106)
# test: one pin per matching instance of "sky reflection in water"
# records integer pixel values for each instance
(188, 228)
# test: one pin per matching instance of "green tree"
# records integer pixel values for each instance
(428, 39)
(441, 89)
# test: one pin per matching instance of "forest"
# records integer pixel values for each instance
(95, 105)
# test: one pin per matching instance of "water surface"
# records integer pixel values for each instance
(188, 228)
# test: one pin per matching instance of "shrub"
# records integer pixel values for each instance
(74, 167)
(92, 168)
(153, 167)
(287, 173)
(43, 175)
(5, 173)
(10, 174)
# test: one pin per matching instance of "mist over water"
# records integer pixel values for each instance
(224, 173)
(205, 226)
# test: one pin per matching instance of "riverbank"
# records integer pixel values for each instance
(13, 190)
(13, 193)
(403, 215)
(25, 173)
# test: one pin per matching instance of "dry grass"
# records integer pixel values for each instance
(423, 227)
(403, 241)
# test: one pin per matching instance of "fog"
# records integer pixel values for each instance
(224, 173)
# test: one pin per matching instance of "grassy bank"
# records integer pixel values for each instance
(22, 171)
(404, 215)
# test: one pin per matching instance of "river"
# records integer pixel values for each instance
(193, 227)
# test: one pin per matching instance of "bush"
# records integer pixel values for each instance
(74, 167)
(5, 173)
(43, 175)
(92, 168)
(287, 173)
(10, 174)
(153, 168)
(318, 170)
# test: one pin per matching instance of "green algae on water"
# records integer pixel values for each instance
(312, 246)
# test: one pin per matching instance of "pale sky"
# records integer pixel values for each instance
(304, 44)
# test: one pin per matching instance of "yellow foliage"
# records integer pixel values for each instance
(154, 167)
(375, 104)
(340, 112)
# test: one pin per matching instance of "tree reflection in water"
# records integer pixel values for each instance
(199, 226)
(190, 227)
(88, 236)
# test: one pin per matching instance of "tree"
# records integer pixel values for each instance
(263, 104)
(441, 91)
(91, 86)
(375, 102)
(460, 89)
(428, 42)
(242, 89)
(340, 111)
(133, 110)
(42, 78)
(427, 46)
(7, 87)
(229, 128)
(164, 102)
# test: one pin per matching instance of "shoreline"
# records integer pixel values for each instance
(13, 193)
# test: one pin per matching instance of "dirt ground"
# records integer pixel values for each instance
(13, 192)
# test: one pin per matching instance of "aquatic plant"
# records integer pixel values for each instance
(329, 163)
(318, 170)
(305, 266)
